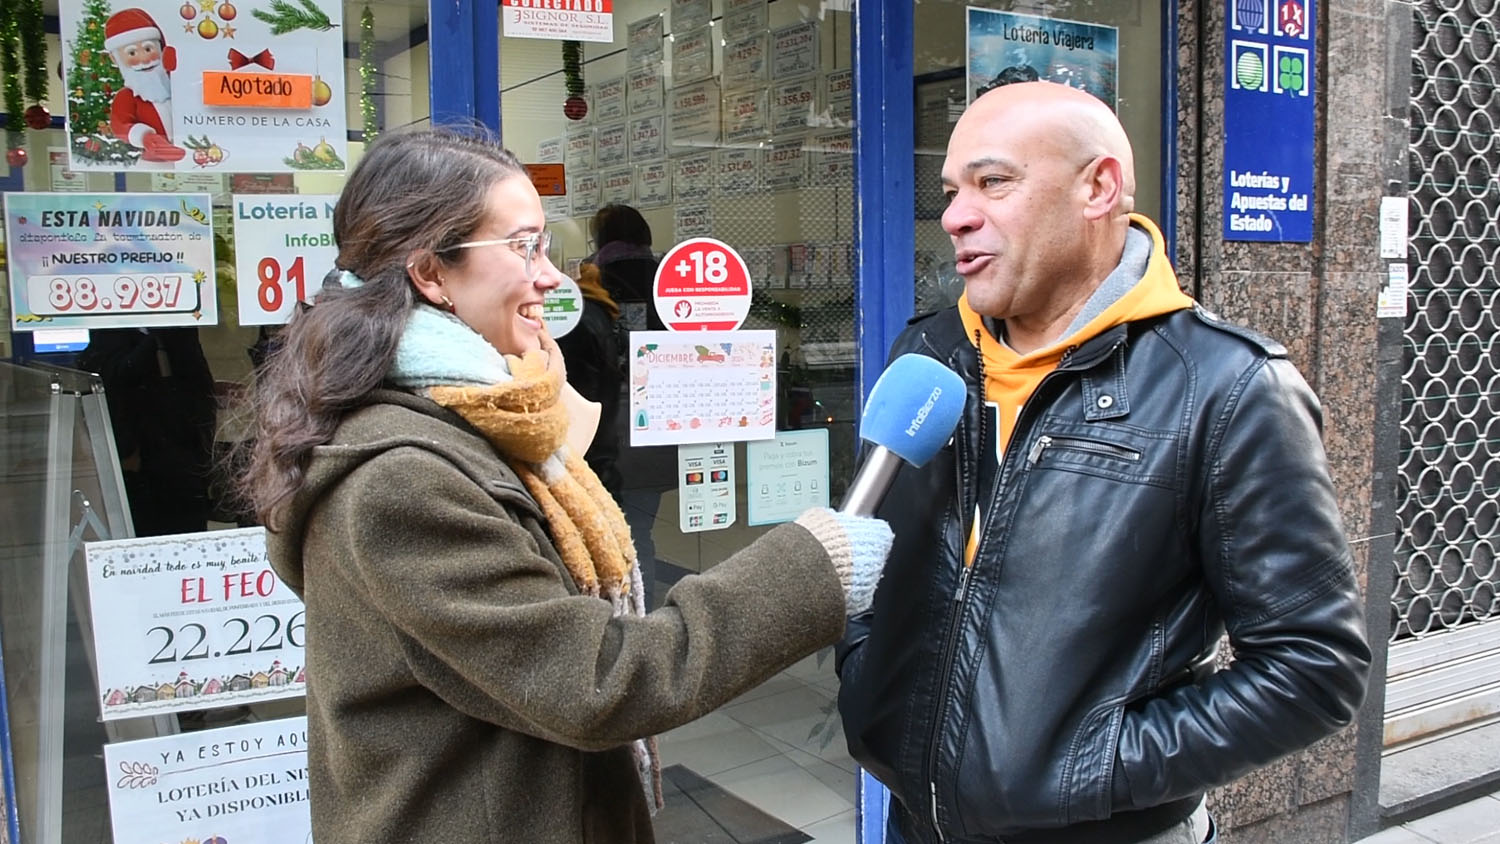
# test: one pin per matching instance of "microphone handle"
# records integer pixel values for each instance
(871, 482)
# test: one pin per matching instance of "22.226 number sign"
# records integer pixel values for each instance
(192, 621)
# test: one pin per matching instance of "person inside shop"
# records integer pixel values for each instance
(627, 266)
(1132, 477)
(162, 410)
(480, 666)
(593, 354)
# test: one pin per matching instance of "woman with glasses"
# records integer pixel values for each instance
(480, 667)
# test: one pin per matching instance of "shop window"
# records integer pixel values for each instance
(732, 121)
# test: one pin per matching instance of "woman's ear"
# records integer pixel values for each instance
(424, 270)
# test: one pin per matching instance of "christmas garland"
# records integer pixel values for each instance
(367, 73)
(575, 106)
(34, 45)
(10, 65)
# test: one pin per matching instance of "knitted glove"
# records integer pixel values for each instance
(857, 545)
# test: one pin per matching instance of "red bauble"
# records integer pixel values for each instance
(575, 108)
(228, 11)
(16, 157)
(37, 117)
(188, 11)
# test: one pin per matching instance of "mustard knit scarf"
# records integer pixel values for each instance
(514, 402)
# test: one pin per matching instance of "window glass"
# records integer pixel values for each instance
(1112, 49)
(732, 122)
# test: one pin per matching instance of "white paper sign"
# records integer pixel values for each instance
(838, 97)
(549, 151)
(610, 148)
(833, 161)
(192, 621)
(690, 14)
(647, 91)
(739, 171)
(648, 140)
(692, 56)
(693, 221)
(785, 164)
(579, 152)
(794, 50)
(653, 185)
(705, 487)
(702, 386)
(1392, 301)
(794, 105)
(644, 42)
(62, 179)
(695, 115)
(609, 99)
(745, 60)
(786, 476)
(591, 21)
(693, 177)
(1393, 222)
(583, 193)
(744, 17)
(245, 784)
(283, 248)
(615, 185)
(746, 116)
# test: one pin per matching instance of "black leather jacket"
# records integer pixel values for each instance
(1165, 482)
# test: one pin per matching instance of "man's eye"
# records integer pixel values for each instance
(988, 182)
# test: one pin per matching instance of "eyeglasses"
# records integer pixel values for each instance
(533, 246)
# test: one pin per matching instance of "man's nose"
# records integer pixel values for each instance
(961, 217)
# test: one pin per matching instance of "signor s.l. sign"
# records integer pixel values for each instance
(1268, 121)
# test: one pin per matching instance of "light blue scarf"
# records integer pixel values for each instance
(439, 349)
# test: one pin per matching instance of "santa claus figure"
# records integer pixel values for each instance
(141, 114)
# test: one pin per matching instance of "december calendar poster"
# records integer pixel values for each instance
(110, 260)
(702, 386)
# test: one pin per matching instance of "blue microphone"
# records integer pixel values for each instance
(912, 412)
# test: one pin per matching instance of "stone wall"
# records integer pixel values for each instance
(1319, 299)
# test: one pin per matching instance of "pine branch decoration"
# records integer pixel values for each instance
(367, 74)
(10, 65)
(284, 17)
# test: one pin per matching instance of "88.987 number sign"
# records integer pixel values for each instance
(283, 248)
(192, 621)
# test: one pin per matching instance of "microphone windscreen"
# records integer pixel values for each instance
(913, 408)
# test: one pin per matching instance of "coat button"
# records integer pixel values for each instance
(1105, 402)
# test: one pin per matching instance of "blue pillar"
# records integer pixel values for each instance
(885, 238)
(463, 62)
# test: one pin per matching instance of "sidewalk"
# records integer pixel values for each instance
(1474, 822)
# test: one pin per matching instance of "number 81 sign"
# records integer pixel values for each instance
(283, 248)
(702, 284)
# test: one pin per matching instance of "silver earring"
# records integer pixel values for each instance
(448, 303)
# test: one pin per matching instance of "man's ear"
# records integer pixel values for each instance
(1104, 179)
(425, 271)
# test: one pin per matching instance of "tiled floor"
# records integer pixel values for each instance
(778, 747)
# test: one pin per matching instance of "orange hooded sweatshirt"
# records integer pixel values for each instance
(1010, 378)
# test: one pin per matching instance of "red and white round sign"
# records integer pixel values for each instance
(702, 284)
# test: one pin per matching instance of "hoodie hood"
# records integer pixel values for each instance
(1142, 286)
(392, 419)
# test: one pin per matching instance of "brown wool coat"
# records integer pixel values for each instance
(459, 688)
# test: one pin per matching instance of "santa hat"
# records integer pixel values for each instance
(129, 26)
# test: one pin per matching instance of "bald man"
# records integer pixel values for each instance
(1131, 478)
